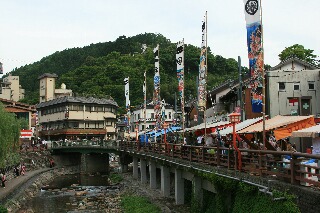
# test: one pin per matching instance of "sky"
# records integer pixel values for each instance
(33, 29)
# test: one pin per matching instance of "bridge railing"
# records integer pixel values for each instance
(292, 167)
(83, 143)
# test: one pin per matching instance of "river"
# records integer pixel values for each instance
(75, 193)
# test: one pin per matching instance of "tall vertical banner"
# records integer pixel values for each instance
(203, 67)
(180, 75)
(156, 80)
(144, 89)
(126, 92)
(252, 10)
(1, 68)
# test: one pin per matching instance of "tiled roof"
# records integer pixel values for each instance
(48, 75)
(289, 60)
(71, 99)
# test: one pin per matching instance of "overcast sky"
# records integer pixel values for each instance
(33, 29)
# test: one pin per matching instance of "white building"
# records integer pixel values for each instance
(11, 89)
(137, 118)
(294, 88)
(47, 88)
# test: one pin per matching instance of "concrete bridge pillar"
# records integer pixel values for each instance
(143, 170)
(94, 162)
(135, 168)
(179, 187)
(197, 187)
(165, 181)
(153, 174)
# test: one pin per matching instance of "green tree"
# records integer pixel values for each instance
(10, 133)
(300, 52)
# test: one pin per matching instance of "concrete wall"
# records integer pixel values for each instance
(279, 99)
(94, 163)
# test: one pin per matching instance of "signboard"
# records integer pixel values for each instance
(26, 133)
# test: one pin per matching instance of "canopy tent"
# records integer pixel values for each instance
(239, 126)
(161, 132)
(311, 132)
(208, 125)
(314, 133)
(283, 126)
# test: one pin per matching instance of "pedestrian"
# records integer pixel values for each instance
(3, 180)
(23, 169)
(51, 163)
(16, 170)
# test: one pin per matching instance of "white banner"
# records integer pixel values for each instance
(252, 11)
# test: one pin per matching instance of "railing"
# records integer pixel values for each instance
(292, 167)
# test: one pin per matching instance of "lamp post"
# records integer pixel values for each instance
(235, 118)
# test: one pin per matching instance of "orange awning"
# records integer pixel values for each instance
(274, 123)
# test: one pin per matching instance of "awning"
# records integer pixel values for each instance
(312, 132)
(208, 125)
(289, 124)
(238, 126)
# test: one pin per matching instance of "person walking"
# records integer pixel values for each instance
(23, 169)
(3, 180)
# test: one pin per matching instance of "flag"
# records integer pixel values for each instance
(252, 9)
(1, 68)
(180, 71)
(293, 102)
(156, 98)
(126, 92)
(203, 67)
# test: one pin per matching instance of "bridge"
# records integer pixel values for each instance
(264, 169)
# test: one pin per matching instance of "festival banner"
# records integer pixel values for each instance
(180, 73)
(252, 10)
(1, 68)
(203, 67)
(126, 91)
(156, 79)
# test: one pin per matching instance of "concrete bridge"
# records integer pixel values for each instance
(168, 166)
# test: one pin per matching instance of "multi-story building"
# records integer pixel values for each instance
(77, 118)
(48, 90)
(137, 118)
(294, 88)
(11, 89)
(22, 110)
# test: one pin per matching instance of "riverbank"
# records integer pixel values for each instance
(21, 190)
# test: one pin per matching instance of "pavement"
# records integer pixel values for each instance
(15, 183)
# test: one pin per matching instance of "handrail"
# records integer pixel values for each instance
(292, 167)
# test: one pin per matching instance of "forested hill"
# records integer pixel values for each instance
(99, 69)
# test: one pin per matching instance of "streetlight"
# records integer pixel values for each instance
(234, 118)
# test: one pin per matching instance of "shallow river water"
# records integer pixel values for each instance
(76, 193)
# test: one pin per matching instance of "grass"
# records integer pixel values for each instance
(137, 204)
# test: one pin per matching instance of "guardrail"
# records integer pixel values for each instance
(292, 167)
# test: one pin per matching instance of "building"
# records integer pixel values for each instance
(21, 110)
(137, 117)
(77, 118)
(294, 88)
(11, 89)
(47, 88)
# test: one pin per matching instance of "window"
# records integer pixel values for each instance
(311, 85)
(170, 117)
(282, 86)
(152, 115)
(296, 86)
